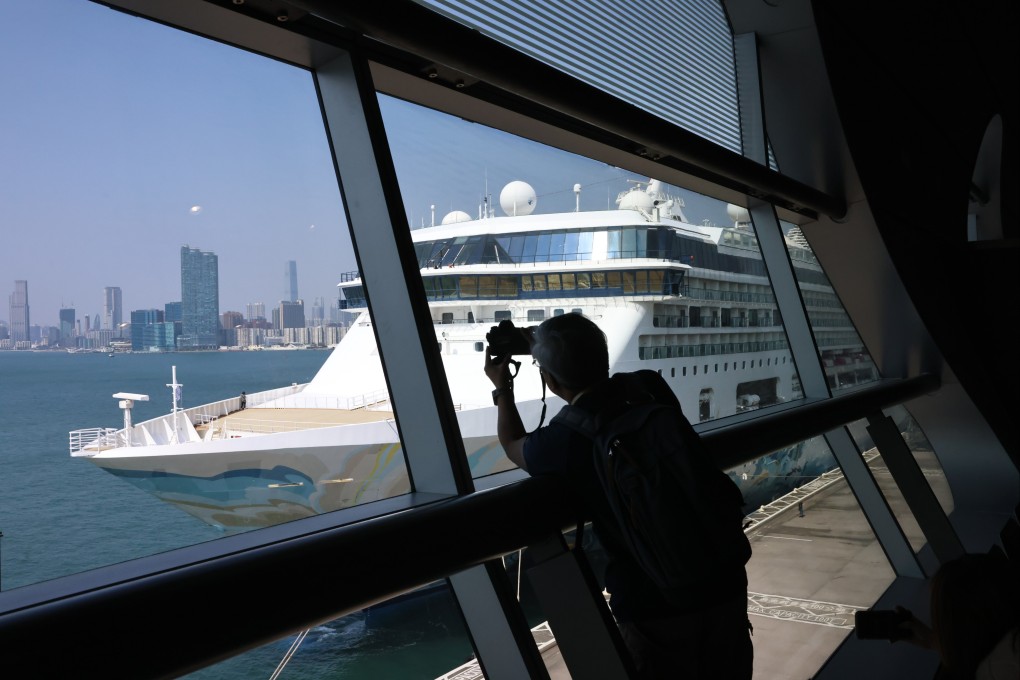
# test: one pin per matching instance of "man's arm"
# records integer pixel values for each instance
(510, 429)
(509, 426)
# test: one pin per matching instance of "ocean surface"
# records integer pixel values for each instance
(61, 515)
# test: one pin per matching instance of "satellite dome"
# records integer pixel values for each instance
(518, 198)
(738, 214)
(636, 200)
(456, 216)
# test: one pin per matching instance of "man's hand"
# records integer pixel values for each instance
(497, 371)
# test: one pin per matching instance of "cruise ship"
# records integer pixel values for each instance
(690, 301)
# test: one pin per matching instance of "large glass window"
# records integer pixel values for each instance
(140, 149)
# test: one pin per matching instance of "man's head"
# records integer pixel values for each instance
(573, 350)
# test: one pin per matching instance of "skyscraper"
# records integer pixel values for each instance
(19, 311)
(291, 276)
(292, 314)
(113, 310)
(200, 299)
(68, 330)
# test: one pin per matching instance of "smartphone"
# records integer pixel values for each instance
(881, 624)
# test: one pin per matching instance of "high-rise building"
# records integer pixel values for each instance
(200, 299)
(256, 310)
(292, 314)
(67, 327)
(172, 311)
(291, 275)
(19, 312)
(150, 332)
(113, 309)
(318, 314)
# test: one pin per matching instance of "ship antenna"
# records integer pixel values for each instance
(577, 201)
(175, 391)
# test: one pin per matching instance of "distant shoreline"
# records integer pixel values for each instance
(184, 351)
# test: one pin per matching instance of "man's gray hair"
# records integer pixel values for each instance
(573, 349)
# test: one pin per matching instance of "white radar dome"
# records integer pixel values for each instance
(636, 200)
(456, 216)
(518, 198)
(738, 214)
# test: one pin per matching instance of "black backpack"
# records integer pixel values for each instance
(679, 514)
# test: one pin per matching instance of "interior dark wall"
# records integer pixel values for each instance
(916, 83)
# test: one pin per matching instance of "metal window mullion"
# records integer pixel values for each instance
(798, 327)
(873, 504)
(505, 645)
(433, 447)
(767, 228)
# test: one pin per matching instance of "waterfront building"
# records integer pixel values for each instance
(19, 311)
(113, 309)
(200, 299)
(4, 331)
(250, 337)
(99, 337)
(142, 336)
(296, 336)
(67, 327)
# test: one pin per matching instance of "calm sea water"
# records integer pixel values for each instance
(61, 515)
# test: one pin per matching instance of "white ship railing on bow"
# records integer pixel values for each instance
(171, 428)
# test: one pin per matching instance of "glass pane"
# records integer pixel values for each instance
(815, 561)
(527, 177)
(845, 359)
(926, 460)
(418, 635)
(156, 215)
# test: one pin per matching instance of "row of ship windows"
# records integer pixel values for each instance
(726, 367)
(533, 286)
(660, 243)
(677, 351)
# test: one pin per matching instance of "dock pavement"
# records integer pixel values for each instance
(815, 562)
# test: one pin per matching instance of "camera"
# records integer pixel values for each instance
(881, 624)
(506, 340)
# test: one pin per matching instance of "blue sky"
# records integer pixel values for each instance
(122, 140)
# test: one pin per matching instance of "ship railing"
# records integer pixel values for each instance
(328, 401)
(91, 440)
(172, 428)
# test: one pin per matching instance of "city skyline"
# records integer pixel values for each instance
(225, 151)
(114, 312)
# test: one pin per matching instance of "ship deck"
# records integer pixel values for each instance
(815, 562)
(265, 420)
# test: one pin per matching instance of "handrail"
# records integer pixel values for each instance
(773, 429)
(343, 568)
